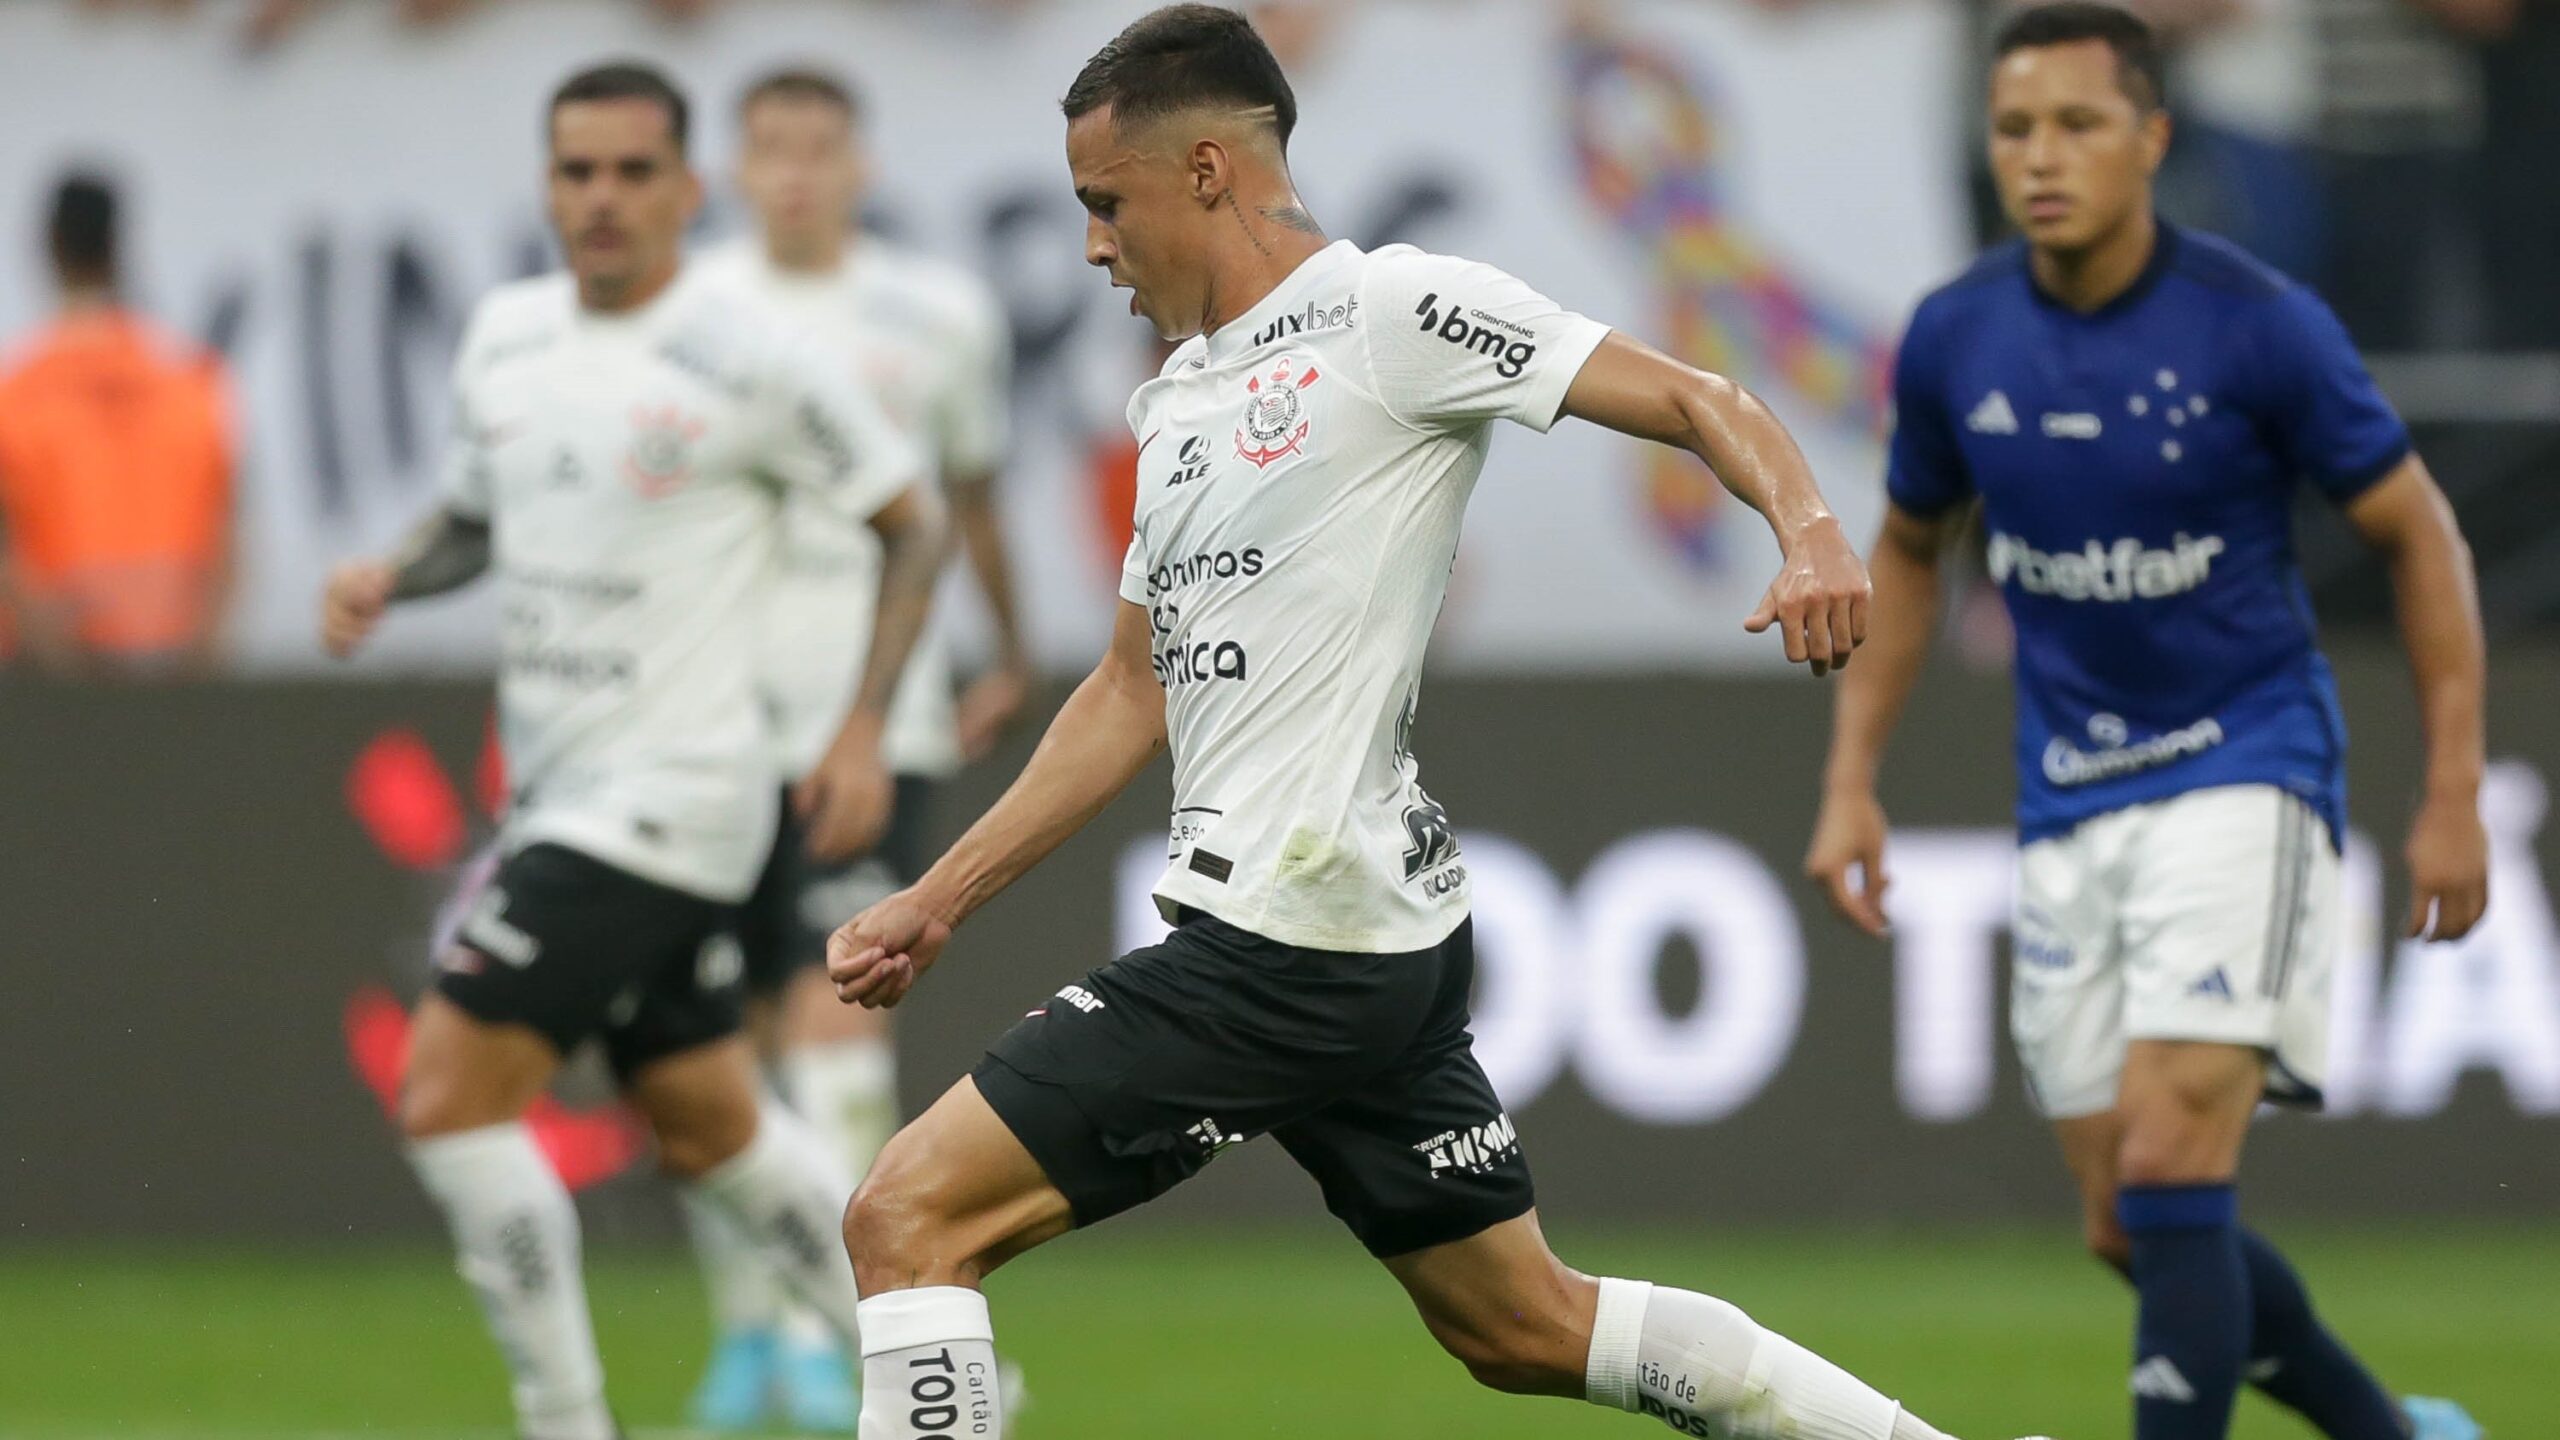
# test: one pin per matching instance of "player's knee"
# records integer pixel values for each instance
(2173, 1146)
(891, 1220)
(1505, 1355)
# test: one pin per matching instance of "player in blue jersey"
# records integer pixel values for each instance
(2134, 407)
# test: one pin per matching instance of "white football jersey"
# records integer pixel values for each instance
(632, 467)
(929, 342)
(1301, 476)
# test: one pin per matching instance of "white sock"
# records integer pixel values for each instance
(516, 1234)
(848, 1092)
(788, 1199)
(929, 1366)
(1706, 1369)
(745, 1293)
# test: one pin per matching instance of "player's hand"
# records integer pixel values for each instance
(2448, 869)
(989, 707)
(844, 803)
(1819, 600)
(878, 955)
(352, 604)
(1848, 835)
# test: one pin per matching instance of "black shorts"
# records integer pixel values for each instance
(1128, 1082)
(579, 949)
(799, 902)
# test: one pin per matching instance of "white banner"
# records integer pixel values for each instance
(1764, 194)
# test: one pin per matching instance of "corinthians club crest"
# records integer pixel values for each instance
(1275, 418)
(661, 458)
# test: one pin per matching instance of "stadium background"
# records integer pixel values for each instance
(211, 888)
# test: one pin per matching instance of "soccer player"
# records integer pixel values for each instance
(2134, 407)
(625, 432)
(1305, 459)
(932, 348)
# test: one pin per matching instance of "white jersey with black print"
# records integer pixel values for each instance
(929, 342)
(1301, 477)
(632, 467)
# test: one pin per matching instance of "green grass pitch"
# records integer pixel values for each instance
(1135, 1332)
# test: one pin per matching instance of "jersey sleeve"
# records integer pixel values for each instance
(829, 439)
(971, 414)
(1133, 574)
(467, 481)
(1924, 469)
(2319, 406)
(1454, 343)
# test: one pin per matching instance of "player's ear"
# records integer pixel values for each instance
(2154, 129)
(1210, 171)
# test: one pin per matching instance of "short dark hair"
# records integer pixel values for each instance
(798, 82)
(2139, 69)
(1179, 57)
(81, 231)
(627, 80)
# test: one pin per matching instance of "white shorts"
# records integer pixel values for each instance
(2211, 915)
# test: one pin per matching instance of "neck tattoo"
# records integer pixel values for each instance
(1238, 211)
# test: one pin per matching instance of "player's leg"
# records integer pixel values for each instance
(1523, 1322)
(2230, 911)
(750, 1303)
(954, 1195)
(2294, 1358)
(1424, 1167)
(837, 1067)
(689, 1070)
(516, 990)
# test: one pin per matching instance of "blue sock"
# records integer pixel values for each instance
(2296, 1361)
(2191, 1338)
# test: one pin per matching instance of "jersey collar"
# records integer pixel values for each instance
(2165, 241)
(1237, 334)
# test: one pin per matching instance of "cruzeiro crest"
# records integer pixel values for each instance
(1275, 418)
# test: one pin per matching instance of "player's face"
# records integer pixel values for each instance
(621, 194)
(1142, 223)
(800, 169)
(2072, 152)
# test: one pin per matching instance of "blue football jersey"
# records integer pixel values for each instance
(2137, 468)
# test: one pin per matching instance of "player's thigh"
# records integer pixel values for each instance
(2066, 982)
(465, 1073)
(954, 1195)
(2186, 1107)
(700, 1103)
(1503, 1303)
(2229, 921)
(1125, 1083)
(1420, 1154)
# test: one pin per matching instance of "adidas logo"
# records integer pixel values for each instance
(2216, 985)
(2158, 1379)
(1993, 416)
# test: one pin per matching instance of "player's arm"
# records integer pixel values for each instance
(2407, 520)
(1109, 730)
(846, 798)
(992, 701)
(447, 551)
(1819, 602)
(1847, 854)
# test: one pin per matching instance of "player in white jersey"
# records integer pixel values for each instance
(626, 432)
(1304, 463)
(928, 340)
